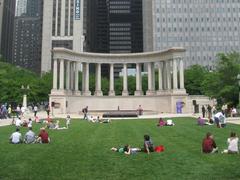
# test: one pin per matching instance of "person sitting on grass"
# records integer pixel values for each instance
(16, 137)
(200, 121)
(170, 122)
(29, 137)
(126, 150)
(232, 144)
(43, 136)
(161, 122)
(58, 127)
(208, 144)
(148, 144)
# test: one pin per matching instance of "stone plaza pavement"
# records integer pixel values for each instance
(43, 115)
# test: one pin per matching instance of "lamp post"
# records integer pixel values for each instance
(25, 91)
(238, 78)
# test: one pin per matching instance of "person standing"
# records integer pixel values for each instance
(68, 119)
(48, 111)
(16, 137)
(35, 109)
(203, 111)
(209, 109)
(85, 111)
(9, 111)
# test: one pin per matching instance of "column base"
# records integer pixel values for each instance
(125, 93)
(150, 93)
(78, 93)
(138, 93)
(160, 92)
(178, 91)
(58, 92)
(111, 93)
(98, 93)
(86, 93)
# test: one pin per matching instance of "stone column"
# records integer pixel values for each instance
(153, 76)
(160, 78)
(150, 90)
(181, 74)
(175, 77)
(168, 75)
(98, 91)
(164, 75)
(55, 74)
(68, 76)
(76, 92)
(86, 85)
(83, 76)
(138, 91)
(111, 84)
(61, 78)
(125, 79)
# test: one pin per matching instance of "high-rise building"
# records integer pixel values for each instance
(62, 27)
(27, 36)
(21, 7)
(7, 29)
(204, 28)
(1, 18)
(114, 26)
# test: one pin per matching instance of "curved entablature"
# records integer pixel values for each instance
(86, 57)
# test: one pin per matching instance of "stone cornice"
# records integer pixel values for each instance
(156, 56)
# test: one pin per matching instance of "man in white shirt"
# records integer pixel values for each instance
(29, 136)
(18, 122)
(220, 119)
(16, 137)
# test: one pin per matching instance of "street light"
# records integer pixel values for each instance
(25, 91)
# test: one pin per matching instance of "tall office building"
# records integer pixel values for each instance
(27, 36)
(62, 27)
(21, 7)
(204, 28)
(1, 18)
(7, 29)
(114, 26)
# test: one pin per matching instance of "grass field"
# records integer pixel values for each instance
(83, 152)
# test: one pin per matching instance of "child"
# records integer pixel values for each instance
(232, 144)
(161, 122)
(68, 119)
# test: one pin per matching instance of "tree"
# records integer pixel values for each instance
(194, 77)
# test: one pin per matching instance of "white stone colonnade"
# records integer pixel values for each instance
(169, 63)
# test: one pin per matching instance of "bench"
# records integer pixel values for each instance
(120, 114)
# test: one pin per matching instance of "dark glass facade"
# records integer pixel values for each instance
(114, 26)
(7, 29)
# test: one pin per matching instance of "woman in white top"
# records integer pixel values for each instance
(232, 144)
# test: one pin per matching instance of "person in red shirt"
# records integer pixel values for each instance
(43, 136)
(209, 145)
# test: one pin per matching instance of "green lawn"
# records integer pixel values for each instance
(83, 152)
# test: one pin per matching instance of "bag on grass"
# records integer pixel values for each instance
(159, 148)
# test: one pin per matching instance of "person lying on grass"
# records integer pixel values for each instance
(208, 144)
(126, 150)
(148, 144)
(232, 144)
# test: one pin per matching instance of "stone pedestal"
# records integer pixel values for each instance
(125, 93)
(98, 93)
(111, 93)
(86, 93)
(150, 93)
(138, 93)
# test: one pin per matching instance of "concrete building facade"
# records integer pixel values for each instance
(62, 27)
(204, 28)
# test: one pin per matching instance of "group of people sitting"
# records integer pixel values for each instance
(210, 146)
(97, 119)
(161, 122)
(147, 147)
(56, 125)
(29, 137)
(219, 119)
